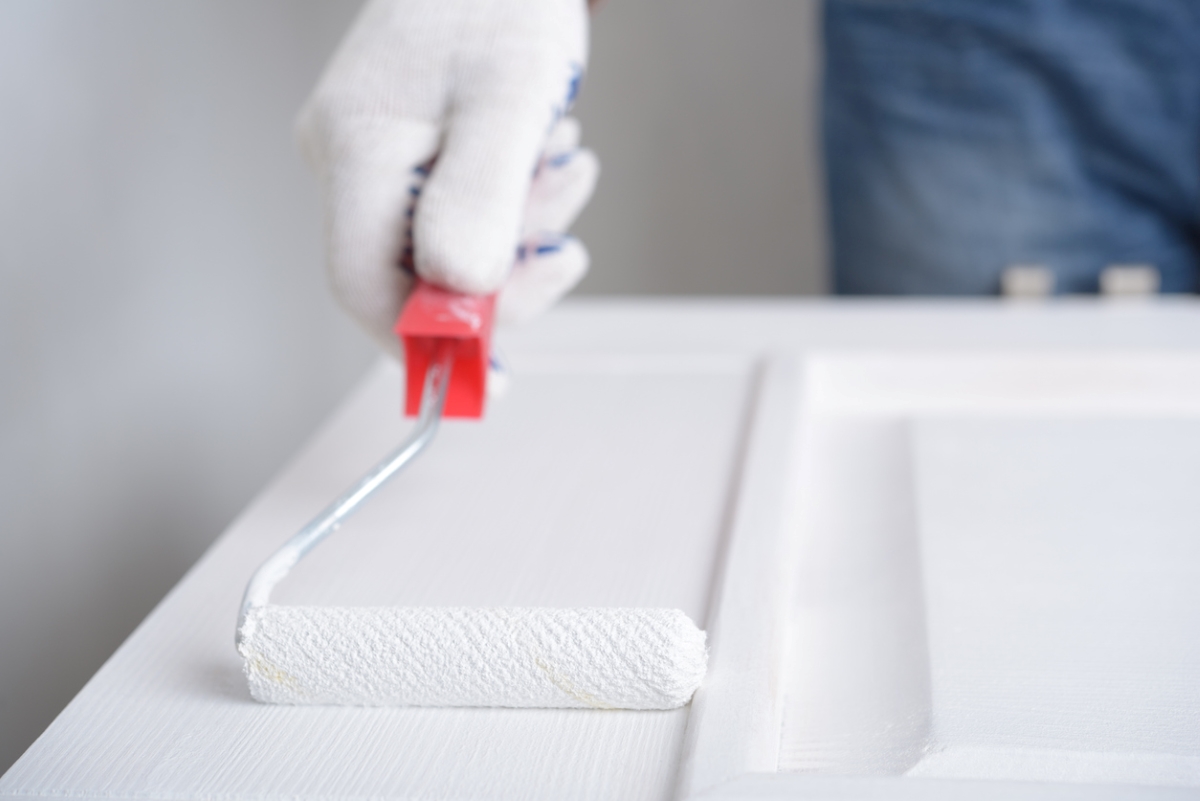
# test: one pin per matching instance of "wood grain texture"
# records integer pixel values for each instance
(735, 722)
(856, 694)
(1061, 568)
(998, 575)
(863, 788)
(602, 486)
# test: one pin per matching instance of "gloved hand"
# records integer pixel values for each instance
(438, 133)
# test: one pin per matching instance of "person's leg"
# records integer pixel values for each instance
(963, 137)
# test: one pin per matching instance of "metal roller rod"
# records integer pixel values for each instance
(272, 571)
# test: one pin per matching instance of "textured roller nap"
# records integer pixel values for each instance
(439, 656)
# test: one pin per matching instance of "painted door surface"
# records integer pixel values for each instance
(595, 482)
(997, 578)
(941, 551)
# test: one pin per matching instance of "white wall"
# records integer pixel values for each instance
(166, 339)
(165, 335)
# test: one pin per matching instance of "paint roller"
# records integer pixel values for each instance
(606, 658)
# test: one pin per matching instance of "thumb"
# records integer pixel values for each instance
(547, 267)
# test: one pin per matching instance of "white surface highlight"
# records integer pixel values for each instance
(438, 656)
(857, 686)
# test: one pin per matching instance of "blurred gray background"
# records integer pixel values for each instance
(166, 337)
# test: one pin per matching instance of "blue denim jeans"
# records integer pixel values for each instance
(962, 136)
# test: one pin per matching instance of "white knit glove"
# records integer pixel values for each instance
(438, 134)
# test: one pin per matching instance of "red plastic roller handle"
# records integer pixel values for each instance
(431, 315)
